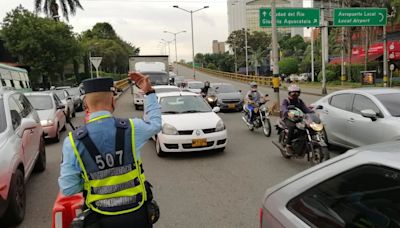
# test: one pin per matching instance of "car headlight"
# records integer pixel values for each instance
(220, 126)
(317, 127)
(211, 99)
(169, 130)
(45, 123)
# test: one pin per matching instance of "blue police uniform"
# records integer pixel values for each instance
(110, 162)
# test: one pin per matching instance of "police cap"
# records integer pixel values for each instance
(98, 85)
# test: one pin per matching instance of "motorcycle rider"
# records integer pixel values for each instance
(252, 99)
(288, 117)
(204, 90)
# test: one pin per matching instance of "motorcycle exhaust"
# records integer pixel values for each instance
(279, 146)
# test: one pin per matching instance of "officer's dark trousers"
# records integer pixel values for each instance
(136, 219)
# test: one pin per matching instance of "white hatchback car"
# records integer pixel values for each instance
(189, 124)
(22, 150)
(359, 188)
(50, 111)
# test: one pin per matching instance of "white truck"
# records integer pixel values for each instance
(155, 66)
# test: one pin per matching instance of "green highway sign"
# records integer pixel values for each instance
(291, 17)
(360, 17)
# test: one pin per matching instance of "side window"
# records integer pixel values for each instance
(24, 103)
(57, 100)
(21, 84)
(15, 111)
(3, 82)
(362, 103)
(12, 83)
(342, 101)
(366, 196)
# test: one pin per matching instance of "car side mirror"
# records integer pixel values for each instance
(369, 113)
(26, 124)
(319, 107)
(216, 109)
(60, 106)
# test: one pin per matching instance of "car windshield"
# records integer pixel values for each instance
(391, 101)
(158, 78)
(3, 122)
(42, 102)
(60, 94)
(183, 104)
(74, 91)
(223, 88)
(195, 85)
(165, 90)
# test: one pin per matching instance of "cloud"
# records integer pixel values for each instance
(142, 22)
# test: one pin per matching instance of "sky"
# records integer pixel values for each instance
(142, 22)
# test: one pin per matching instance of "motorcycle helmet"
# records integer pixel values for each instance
(253, 86)
(293, 89)
(206, 84)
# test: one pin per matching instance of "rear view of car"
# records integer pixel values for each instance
(228, 97)
(195, 86)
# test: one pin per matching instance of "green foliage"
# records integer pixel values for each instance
(212, 66)
(289, 66)
(222, 62)
(44, 44)
(293, 46)
(102, 40)
(330, 76)
(50, 7)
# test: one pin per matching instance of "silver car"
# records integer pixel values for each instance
(359, 117)
(359, 188)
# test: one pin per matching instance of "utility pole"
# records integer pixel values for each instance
(176, 48)
(343, 71)
(312, 55)
(275, 71)
(246, 49)
(324, 48)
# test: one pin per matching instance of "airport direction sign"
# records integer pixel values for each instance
(291, 17)
(360, 17)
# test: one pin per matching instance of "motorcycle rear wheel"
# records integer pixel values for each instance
(319, 155)
(267, 127)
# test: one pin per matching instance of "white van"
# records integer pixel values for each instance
(14, 77)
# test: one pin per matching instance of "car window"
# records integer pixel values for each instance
(60, 94)
(366, 196)
(15, 111)
(223, 88)
(342, 101)
(41, 102)
(195, 85)
(3, 121)
(183, 104)
(57, 100)
(24, 103)
(362, 103)
(391, 102)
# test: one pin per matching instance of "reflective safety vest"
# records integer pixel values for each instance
(115, 186)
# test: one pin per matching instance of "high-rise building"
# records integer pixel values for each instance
(218, 47)
(245, 13)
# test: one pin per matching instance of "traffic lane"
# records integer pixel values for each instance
(211, 189)
(244, 87)
(42, 188)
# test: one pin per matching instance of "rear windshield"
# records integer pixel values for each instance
(223, 88)
(60, 94)
(3, 122)
(41, 102)
(195, 85)
(158, 78)
(391, 101)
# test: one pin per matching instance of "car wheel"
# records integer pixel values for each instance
(16, 209)
(57, 138)
(159, 151)
(40, 165)
(325, 138)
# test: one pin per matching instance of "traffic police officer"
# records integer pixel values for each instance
(102, 158)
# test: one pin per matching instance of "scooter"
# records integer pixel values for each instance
(260, 120)
(308, 138)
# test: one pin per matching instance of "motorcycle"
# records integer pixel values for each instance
(308, 138)
(260, 119)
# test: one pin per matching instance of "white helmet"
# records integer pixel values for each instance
(293, 88)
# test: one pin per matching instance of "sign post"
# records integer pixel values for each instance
(291, 17)
(360, 17)
(96, 63)
(391, 73)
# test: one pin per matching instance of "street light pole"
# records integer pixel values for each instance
(275, 79)
(176, 49)
(191, 22)
(169, 49)
(245, 36)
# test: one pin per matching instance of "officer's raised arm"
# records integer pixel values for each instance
(152, 123)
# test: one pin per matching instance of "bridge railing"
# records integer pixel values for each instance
(121, 84)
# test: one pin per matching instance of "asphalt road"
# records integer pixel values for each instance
(205, 189)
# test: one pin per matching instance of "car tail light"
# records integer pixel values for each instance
(261, 216)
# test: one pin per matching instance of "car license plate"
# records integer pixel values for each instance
(199, 142)
(231, 106)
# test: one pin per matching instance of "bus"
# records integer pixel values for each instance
(14, 77)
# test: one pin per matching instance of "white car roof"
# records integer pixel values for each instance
(165, 86)
(38, 94)
(174, 94)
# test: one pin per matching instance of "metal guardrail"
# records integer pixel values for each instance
(121, 84)
(261, 80)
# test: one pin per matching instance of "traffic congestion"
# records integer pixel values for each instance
(291, 121)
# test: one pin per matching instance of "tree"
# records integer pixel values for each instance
(289, 65)
(256, 58)
(50, 7)
(41, 43)
(292, 46)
